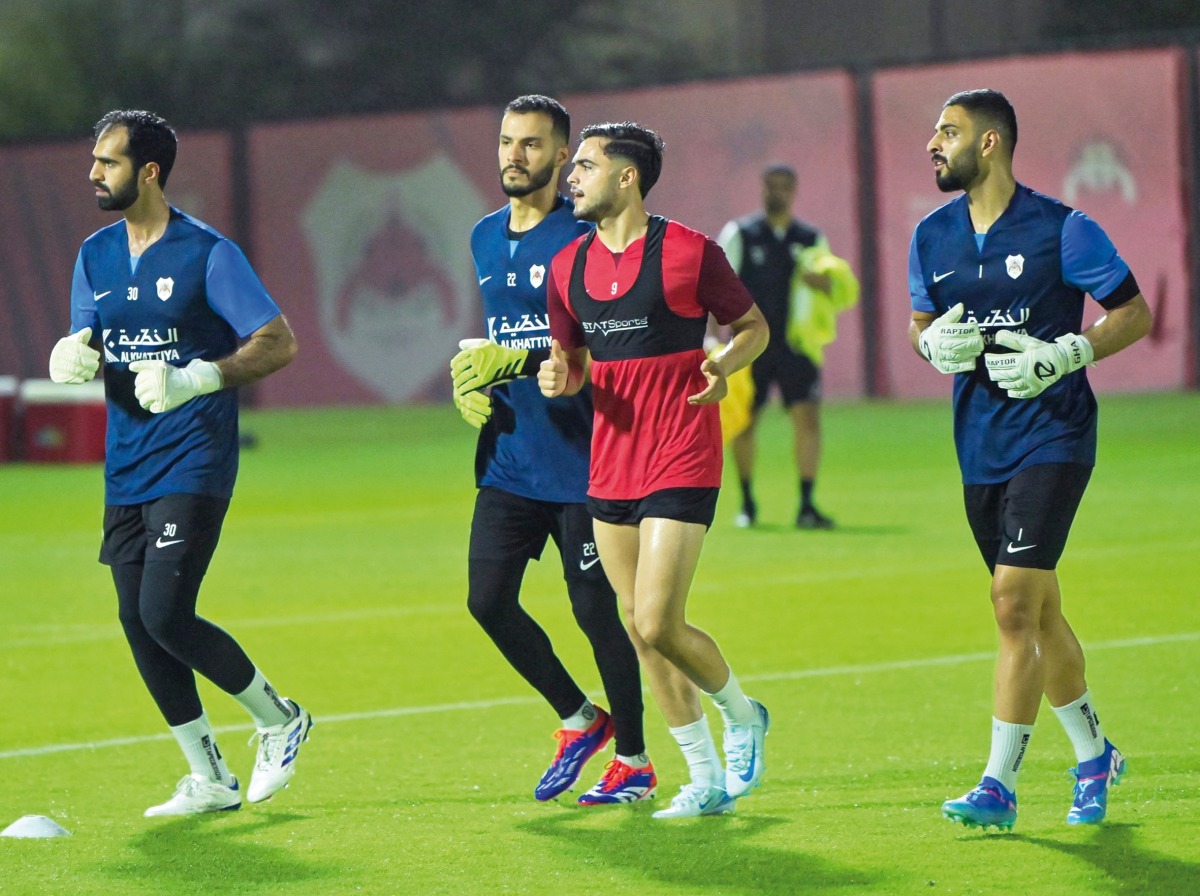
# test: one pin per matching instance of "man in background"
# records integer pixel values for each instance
(785, 264)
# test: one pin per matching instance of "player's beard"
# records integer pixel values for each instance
(598, 209)
(959, 174)
(120, 200)
(537, 180)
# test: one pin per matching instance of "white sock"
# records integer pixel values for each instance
(696, 742)
(1082, 725)
(261, 701)
(735, 708)
(583, 718)
(200, 748)
(1009, 742)
(641, 760)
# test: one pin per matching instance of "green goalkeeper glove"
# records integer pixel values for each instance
(1035, 365)
(475, 407)
(482, 363)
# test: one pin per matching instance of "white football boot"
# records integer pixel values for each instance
(694, 800)
(278, 747)
(195, 794)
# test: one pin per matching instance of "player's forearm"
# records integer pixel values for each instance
(268, 349)
(1120, 328)
(750, 337)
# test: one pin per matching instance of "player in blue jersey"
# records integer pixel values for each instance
(182, 321)
(997, 279)
(531, 467)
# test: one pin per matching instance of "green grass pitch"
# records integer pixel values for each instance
(342, 571)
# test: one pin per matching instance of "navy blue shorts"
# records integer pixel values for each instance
(687, 505)
(798, 377)
(1026, 520)
(179, 529)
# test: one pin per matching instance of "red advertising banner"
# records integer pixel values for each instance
(361, 226)
(47, 208)
(1100, 131)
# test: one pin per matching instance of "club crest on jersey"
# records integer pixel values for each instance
(165, 286)
(537, 273)
(1014, 264)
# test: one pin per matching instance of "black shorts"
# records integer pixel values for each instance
(180, 529)
(514, 529)
(1026, 520)
(798, 377)
(687, 505)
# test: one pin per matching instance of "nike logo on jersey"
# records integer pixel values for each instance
(166, 544)
(1013, 549)
(483, 280)
(588, 564)
(97, 296)
(938, 278)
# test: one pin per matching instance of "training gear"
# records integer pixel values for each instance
(949, 346)
(1092, 780)
(481, 363)
(161, 387)
(195, 794)
(990, 803)
(622, 783)
(73, 360)
(744, 759)
(1037, 365)
(475, 407)
(278, 747)
(574, 749)
(694, 800)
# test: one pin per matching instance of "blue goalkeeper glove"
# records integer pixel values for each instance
(482, 363)
(1035, 365)
(949, 346)
(161, 387)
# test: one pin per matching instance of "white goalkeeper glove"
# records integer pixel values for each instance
(949, 346)
(73, 360)
(482, 363)
(161, 387)
(1035, 365)
(475, 407)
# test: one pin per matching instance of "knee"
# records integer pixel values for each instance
(488, 606)
(1015, 610)
(655, 632)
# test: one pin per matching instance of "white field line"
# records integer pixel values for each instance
(826, 672)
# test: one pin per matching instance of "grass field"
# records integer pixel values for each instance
(342, 572)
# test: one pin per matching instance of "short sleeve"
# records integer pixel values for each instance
(720, 291)
(1089, 259)
(917, 291)
(83, 300)
(564, 326)
(235, 292)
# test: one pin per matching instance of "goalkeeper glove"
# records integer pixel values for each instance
(482, 363)
(1035, 365)
(161, 387)
(475, 407)
(949, 346)
(73, 360)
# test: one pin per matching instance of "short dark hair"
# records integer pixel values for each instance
(560, 121)
(992, 108)
(629, 140)
(151, 139)
(780, 168)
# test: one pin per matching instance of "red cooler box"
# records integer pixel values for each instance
(62, 424)
(8, 418)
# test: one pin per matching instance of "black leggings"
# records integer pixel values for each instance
(493, 600)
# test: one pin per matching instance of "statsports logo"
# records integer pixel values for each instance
(607, 327)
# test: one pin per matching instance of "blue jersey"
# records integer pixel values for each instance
(532, 447)
(191, 295)
(1027, 274)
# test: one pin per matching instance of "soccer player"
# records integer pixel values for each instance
(765, 248)
(997, 278)
(168, 300)
(629, 303)
(532, 465)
